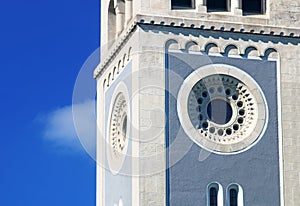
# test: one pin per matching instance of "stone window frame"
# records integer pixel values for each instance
(240, 194)
(219, 189)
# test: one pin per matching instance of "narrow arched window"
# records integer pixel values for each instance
(214, 194)
(253, 6)
(111, 24)
(233, 197)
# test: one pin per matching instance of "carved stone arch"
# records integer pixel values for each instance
(104, 83)
(172, 44)
(251, 51)
(192, 46)
(231, 49)
(211, 47)
(109, 79)
(119, 66)
(271, 53)
(114, 73)
(129, 53)
(124, 60)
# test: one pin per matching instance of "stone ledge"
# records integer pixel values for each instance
(219, 26)
(191, 23)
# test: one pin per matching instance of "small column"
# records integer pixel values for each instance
(120, 13)
(236, 7)
(128, 11)
(201, 6)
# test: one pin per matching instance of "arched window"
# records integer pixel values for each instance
(111, 24)
(182, 4)
(116, 19)
(253, 6)
(214, 194)
(235, 195)
(128, 11)
(120, 15)
(217, 5)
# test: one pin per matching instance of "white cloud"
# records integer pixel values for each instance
(72, 127)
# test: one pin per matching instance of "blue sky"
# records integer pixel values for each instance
(43, 45)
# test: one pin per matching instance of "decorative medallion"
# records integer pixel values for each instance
(222, 109)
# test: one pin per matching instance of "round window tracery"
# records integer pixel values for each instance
(118, 128)
(222, 109)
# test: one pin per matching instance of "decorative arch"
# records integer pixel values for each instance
(251, 51)
(124, 60)
(119, 66)
(109, 79)
(192, 46)
(104, 84)
(271, 53)
(211, 48)
(114, 72)
(129, 53)
(171, 44)
(231, 49)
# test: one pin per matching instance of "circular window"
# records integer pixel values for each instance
(222, 109)
(118, 125)
(118, 128)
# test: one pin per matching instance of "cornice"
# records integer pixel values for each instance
(115, 48)
(216, 25)
(212, 25)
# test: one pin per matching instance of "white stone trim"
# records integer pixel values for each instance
(280, 133)
(100, 146)
(240, 193)
(220, 195)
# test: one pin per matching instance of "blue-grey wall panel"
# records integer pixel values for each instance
(120, 185)
(256, 170)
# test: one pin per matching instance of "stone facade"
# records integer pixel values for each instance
(142, 39)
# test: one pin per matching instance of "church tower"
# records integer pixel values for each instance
(197, 103)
